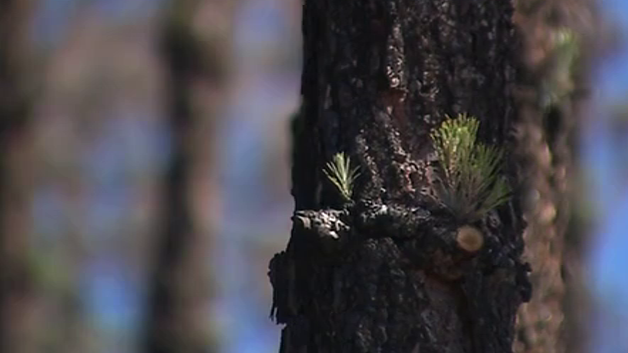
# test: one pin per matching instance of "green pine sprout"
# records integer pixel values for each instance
(469, 181)
(341, 174)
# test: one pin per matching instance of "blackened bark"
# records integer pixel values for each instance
(385, 273)
(177, 319)
(15, 176)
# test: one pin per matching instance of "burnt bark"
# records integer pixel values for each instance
(181, 285)
(15, 176)
(384, 272)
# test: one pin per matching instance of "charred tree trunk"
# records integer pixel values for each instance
(15, 176)
(386, 272)
(195, 60)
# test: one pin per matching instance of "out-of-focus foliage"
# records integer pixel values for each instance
(558, 83)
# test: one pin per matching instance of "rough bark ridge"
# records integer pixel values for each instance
(384, 273)
(15, 176)
(195, 60)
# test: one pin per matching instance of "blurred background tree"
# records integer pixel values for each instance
(17, 98)
(559, 42)
(195, 50)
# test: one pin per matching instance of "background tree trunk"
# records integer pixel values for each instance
(554, 320)
(195, 59)
(385, 273)
(15, 176)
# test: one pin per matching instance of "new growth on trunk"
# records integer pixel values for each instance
(397, 268)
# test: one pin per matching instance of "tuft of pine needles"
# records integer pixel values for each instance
(469, 181)
(341, 174)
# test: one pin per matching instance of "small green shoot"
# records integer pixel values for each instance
(469, 181)
(341, 174)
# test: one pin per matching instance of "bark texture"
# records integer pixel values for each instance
(195, 58)
(384, 273)
(15, 176)
(554, 319)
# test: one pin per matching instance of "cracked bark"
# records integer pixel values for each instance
(385, 273)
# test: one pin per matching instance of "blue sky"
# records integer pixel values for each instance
(605, 160)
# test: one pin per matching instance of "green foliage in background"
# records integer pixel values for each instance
(341, 174)
(469, 181)
(559, 82)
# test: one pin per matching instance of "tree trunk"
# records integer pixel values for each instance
(554, 319)
(385, 272)
(195, 60)
(15, 176)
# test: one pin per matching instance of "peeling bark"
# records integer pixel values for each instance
(385, 272)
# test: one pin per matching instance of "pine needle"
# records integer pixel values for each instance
(341, 174)
(469, 181)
